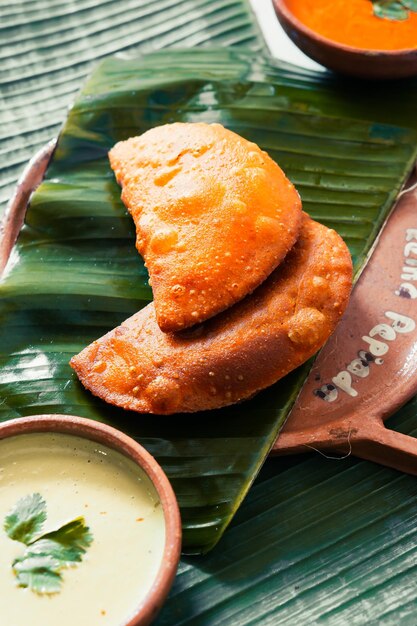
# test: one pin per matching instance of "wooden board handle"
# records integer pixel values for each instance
(372, 442)
(387, 447)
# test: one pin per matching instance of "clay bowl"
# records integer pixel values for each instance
(375, 64)
(112, 438)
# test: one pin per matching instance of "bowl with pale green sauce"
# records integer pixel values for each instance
(90, 530)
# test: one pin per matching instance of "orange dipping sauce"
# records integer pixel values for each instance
(353, 23)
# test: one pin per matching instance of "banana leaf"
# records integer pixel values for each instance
(48, 47)
(316, 542)
(74, 272)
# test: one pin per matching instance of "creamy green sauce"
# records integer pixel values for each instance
(120, 505)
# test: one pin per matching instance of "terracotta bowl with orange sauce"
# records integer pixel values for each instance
(348, 38)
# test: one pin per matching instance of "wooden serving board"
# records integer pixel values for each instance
(368, 368)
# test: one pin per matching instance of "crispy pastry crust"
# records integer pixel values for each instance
(234, 355)
(214, 216)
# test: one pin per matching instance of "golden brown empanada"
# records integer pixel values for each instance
(214, 216)
(237, 353)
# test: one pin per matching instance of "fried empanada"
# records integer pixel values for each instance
(234, 355)
(214, 216)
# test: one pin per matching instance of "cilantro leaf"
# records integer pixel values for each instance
(39, 568)
(410, 4)
(40, 573)
(68, 544)
(395, 10)
(25, 520)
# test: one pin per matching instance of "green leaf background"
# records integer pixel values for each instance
(48, 47)
(76, 272)
(315, 541)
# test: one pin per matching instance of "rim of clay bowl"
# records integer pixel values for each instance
(113, 438)
(281, 7)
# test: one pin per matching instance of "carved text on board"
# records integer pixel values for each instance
(377, 345)
(408, 288)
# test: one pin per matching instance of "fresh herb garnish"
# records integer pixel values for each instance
(25, 521)
(41, 564)
(397, 10)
